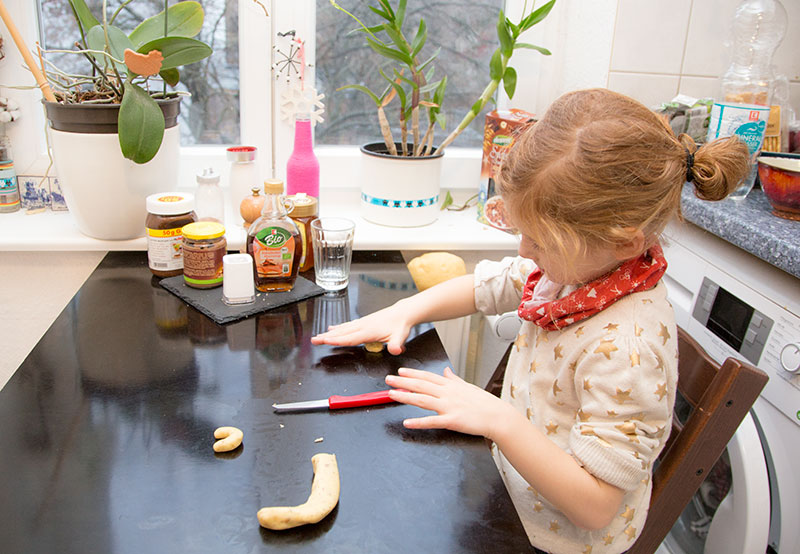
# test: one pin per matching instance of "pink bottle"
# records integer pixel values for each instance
(302, 169)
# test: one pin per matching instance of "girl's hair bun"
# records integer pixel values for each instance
(719, 166)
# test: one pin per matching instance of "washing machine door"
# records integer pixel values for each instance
(740, 522)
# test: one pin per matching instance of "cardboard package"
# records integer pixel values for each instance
(499, 134)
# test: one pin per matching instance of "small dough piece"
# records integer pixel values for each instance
(322, 500)
(433, 268)
(374, 346)
(231, 438)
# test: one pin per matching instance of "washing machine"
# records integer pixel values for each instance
(735, 304)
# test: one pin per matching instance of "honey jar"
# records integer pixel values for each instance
(305, 210)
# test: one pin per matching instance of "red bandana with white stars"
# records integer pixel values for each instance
(635, 275)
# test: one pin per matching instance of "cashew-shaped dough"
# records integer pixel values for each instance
(231, 439)
(322, 500)
(374, 346)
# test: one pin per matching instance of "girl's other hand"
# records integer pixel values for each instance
(387, 325)
(460, 406)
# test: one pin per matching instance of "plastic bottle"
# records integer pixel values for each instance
(302, 169)
(746, 87)
(9, 191)
(244, 175)
(209, 198)
(274, 242)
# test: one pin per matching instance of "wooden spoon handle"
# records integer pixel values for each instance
(23, 49)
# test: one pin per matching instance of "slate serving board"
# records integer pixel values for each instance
(209, 301)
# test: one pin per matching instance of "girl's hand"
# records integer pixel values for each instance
(460, 406)
(389, 325)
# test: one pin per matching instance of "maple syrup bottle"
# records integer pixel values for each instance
(274, 242)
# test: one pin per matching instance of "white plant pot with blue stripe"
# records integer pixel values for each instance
(399, 191)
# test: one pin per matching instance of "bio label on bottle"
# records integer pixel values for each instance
(273, 252)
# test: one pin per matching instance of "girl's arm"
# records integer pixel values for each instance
(447, 300)
(587, 501)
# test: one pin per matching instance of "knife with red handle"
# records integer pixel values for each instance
(336, 402)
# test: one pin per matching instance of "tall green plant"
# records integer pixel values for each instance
(411, 80)
(111, 81)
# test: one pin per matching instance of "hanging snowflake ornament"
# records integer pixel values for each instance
(289, 62)
(297, 99)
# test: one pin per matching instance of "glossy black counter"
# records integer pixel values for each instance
(108, 428)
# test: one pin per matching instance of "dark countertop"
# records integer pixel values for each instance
(108, 431)
(750, 225)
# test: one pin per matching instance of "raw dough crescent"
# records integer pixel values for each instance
(322, 500)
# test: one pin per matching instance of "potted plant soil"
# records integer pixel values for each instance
(114, 130)
(400, 180)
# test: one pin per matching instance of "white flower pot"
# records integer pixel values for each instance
(399, 191)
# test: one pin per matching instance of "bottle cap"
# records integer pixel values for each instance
(273, 186)
(170, 203)
(202, 230)
(304, 205)
(207, 176)
(241, 154)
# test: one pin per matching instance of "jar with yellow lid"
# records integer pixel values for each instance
(306, 210)
(204, 246)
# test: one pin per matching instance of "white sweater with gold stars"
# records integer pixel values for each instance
(602, 389)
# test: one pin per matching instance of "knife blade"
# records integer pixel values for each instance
(336, 402)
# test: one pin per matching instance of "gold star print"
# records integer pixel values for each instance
(631, 532)
(628, 427)
(541, 337)
(538, 507)
(608, 539)
(551, 428)
(606, 348)
(646, 301)
(557, 352)
(518, 284)
(634, 358)
(611, 327)
(588, 430)
(583, 416)
(556, 388)
(586, 385)
(660, 432)
(587, 549)
(521, 341)
(533, 491)
(661, 391)
(513, 391)
(622, 396)
(533, 366)
(660, 363)
(628, 514)
(579, 331)
(554, 526)
(611, 413)
(664, 333)
(573, 366)
(637, 330)
(528, 413)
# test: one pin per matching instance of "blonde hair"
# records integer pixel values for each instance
(599, 163)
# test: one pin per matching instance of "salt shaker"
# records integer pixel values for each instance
(244, 174)
(209, 199)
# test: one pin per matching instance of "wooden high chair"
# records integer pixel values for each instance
(720, 396)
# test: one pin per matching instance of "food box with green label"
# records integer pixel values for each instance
(500, 132)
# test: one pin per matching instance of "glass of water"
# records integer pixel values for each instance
(332, 241)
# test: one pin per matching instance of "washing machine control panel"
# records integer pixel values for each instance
(729, 319)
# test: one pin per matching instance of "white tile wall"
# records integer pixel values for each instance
(663, 47)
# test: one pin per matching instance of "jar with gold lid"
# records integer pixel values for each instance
(305, 210)
(167, 214)
(204, 246)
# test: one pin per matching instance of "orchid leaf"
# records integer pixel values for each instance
(365, 90)
(141, 125)
(177, 51)
(84, 15)
(184, 19)
(118, 42)
(419, 38)
(387, 52)
(171, 76)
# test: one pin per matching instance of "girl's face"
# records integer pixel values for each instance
(583, 267)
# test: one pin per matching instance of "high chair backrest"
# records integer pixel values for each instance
(720, 397)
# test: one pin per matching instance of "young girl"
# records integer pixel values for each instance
(587, 398)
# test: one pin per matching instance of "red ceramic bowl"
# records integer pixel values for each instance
(780, 179)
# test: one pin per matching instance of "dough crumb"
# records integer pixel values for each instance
(374, 346)
(319, 439)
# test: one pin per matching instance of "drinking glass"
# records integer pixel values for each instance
(332, 241)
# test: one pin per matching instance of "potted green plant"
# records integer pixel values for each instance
(406, 193)
(114, 129)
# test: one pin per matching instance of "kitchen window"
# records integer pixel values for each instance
(236, 99)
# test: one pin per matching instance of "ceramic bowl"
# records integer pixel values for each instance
(780, 179)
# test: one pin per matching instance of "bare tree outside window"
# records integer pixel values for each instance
(211, 114)
(463, 29)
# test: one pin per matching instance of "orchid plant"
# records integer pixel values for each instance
(410, 78)
(123, 66)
